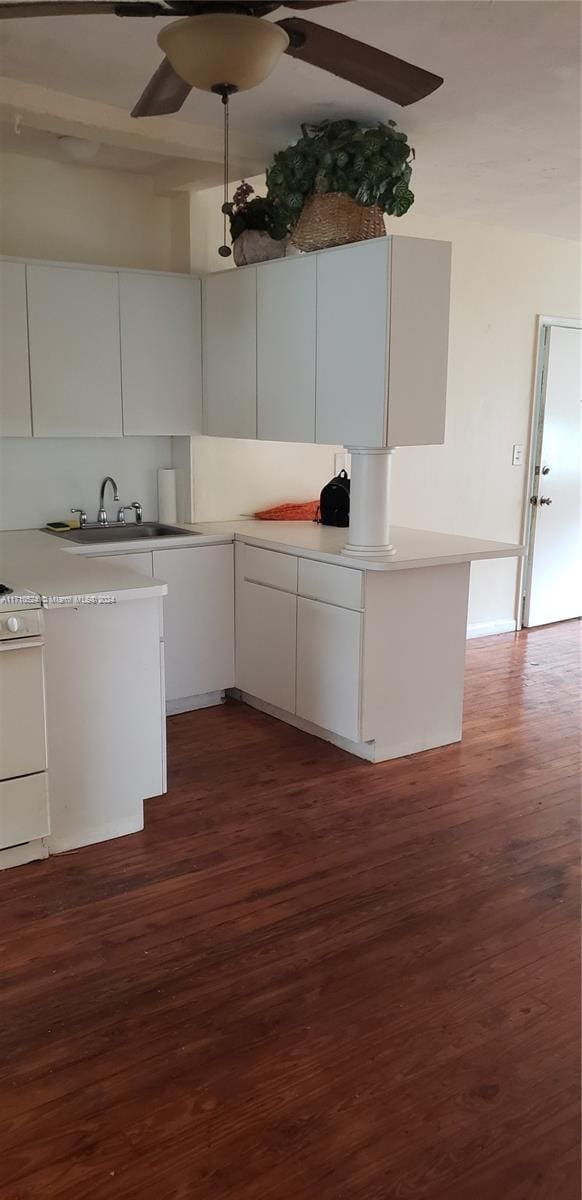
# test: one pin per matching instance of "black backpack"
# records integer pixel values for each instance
(334, 502)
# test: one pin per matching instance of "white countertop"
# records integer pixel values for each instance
(413, 547)
(35, 561)
(61, 571)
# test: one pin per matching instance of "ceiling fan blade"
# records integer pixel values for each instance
(54, 8)
(84, 8)
(364, 65)
(312, 3)
(165, 93)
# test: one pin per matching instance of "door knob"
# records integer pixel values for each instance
(545, 470)
(545, 500)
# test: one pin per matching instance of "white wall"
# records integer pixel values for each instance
(42, 478)
(233, 478)
(86, 214)
(501, 281)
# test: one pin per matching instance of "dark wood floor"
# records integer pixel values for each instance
(311, 978)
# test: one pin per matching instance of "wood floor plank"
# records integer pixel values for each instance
(312, 977)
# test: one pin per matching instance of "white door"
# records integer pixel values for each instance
(198, 619)
(328, 667)
(230, 354)
(161, 353)
(352, 332)
(75, 373)
(15, 419)
(554, 575)
(266, 640)
(286, 293)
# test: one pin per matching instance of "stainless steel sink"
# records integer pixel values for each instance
(122, 533)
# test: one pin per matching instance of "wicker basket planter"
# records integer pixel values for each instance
(334, 219)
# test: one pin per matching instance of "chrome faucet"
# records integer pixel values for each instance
(134, 507)
(102, 514)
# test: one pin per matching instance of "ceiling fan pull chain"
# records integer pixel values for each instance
(225, 250)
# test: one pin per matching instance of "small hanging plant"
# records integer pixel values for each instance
(258, 214)
(371, 165)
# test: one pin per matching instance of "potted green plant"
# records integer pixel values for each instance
(257, 228)
(336, 182)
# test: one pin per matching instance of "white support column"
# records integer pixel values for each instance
(369, 533)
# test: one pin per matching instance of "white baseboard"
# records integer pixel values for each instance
(363, 750)
(191, 703)
(487, 628)
(16, 856)
(60, 843)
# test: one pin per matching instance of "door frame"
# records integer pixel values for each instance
(545, 323)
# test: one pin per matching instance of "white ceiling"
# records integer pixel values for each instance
(499, 142)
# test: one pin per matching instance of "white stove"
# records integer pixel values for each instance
(24, 812)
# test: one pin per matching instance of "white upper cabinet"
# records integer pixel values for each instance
(382, 339)
(352, 312)
(345, 346)
(15, 419)
(161, 354)
(74, 352)
(286, 337)
(230, 354)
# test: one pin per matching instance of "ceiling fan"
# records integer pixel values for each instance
(229, 47)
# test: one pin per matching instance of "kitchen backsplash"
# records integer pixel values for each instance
(233, 478)
(41, 478)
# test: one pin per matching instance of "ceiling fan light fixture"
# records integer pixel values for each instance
(223, 48)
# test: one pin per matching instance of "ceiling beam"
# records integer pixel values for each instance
(60, 113)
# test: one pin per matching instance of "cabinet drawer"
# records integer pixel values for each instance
(269, 567)
(332, 584)
(24, 813)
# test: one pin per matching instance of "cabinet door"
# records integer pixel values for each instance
(75, 371)
(198, 619)
(328, 667)
(161, 348)
(140, 562)
(286, 293)
(230, 354)
(15, 419)
(266, 644)
(352, 316)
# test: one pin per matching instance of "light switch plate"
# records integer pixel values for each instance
(341, 461)
(517, 456)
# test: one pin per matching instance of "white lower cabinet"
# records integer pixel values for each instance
(266, 645)
(298, 653)
(105, 732)
(198, 621)
(142, 562)
(198, 631)
(328, 667)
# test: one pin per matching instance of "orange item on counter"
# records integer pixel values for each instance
(306, 511)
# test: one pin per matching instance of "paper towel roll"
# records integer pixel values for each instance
(167, 496)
